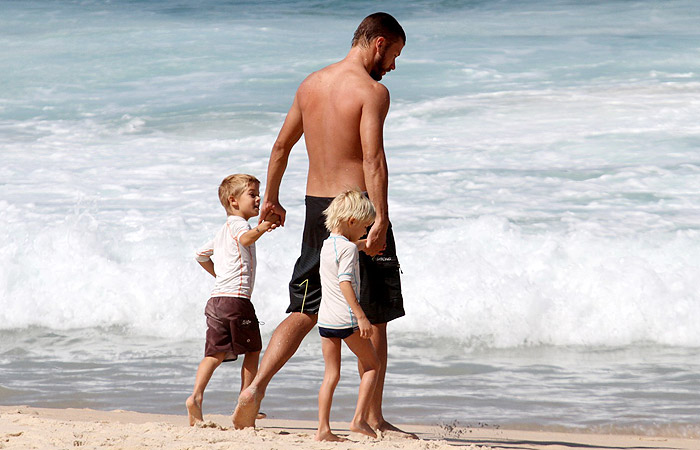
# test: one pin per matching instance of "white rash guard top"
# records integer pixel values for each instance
(340, 261)
(234, 263)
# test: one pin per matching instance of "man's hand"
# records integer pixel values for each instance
(376, 239)
(268, 208)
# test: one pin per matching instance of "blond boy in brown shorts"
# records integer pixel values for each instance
(232, 326)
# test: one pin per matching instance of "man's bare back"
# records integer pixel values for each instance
(340, 111)
(331, 103)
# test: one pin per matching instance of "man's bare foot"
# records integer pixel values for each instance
(328, 436)
(247, 409)
(385, 427)
(194, 410)
(362, 428)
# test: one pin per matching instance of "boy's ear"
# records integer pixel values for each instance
(232, 201)
(352, 221)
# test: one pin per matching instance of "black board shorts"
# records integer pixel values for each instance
(380, 279)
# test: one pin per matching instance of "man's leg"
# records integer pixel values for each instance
(249, 368)
(283, 344)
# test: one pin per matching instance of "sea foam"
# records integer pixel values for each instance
(483, 282)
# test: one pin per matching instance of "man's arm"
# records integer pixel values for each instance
(291, 132)
(374, 112)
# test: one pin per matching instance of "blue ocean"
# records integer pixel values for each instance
(544, 161)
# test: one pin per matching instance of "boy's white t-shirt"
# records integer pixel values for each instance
(234, 263)
(340, 261)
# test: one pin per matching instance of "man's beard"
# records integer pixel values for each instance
(376, 72)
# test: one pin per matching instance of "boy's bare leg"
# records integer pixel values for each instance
(283, 344)
(331, 375)
(376, 417)
(204, 372)
(248, 371)
(362, 348)
(249, 368)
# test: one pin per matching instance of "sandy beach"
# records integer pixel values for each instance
(23, 427)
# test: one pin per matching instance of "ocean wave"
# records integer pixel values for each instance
(483, 282)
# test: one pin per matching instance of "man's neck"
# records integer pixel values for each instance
(361, 56)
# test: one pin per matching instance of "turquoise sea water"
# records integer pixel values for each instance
(544, 189)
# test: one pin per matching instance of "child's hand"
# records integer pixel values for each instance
(365, 328)
(272, 217)
(271, 222)
(268, 226)
(361, 244)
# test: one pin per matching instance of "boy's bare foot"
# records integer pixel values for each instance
(328, 436)
(385, 427)
(362, 428)
(261, 415)
(194, 410)
(247, 409)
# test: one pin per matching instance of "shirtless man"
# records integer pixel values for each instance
(340, 110)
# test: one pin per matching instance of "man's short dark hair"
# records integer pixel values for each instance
(378, 24)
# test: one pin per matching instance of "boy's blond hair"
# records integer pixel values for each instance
(350, 204)
(234, 185)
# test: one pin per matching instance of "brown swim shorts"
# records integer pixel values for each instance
(232, 327)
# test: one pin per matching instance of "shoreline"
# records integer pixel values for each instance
(24, 427)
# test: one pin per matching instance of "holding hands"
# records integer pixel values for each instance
(270, 221)
(273, 212)
(376, 239)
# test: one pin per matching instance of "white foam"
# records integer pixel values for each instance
(485, 282)
(482, 281)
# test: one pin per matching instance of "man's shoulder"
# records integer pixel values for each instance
(379, 91)
(320, 74)
(348, 76)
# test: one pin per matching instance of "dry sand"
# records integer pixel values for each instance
(27, 428)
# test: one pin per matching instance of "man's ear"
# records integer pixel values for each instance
(379, 42)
